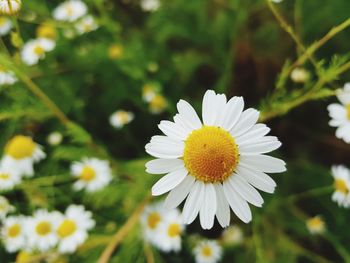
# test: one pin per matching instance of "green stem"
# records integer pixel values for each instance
(310, 193)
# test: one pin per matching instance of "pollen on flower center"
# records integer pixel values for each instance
(207, 251)
(174, 230)
(341, 186)
(43, 228)
(20, 147)
(210, 154)
(14, 230)
(153, 220)
(87, 174)
(38, 50)
(66, 228)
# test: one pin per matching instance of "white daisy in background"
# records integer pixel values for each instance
(120, 118)
(5, 207)
(340, 114)
(169, 233)
(35, 49)
(54, 138)
(276, 1)
(149, 91)
(232, 235)
(207, 251)
(316, 225)
(86, 24)
(7, 77)
(73, 228)
(341, 177)
(41, 230)
(5, 25)
(218, 164)
(150, 5)
(10, 7)
(158, 104)
(151, 219)
(12, 233)
(70, 10)
(9, 178)
(300, 75)
(21, 152)
(92, 174)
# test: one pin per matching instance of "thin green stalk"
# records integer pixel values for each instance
(310, 193)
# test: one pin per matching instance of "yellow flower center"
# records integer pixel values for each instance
(210, 154)
(340, 185)
(66, 228)
(20, 147)
(87, 174)
(153, 220)
(38, 50)
(69, 10)
(115, 51)
(14, 230)
(207, 251)
(174, 230)
(2, 21)
(158, 103)
(4, 176)
(46, 31)
(123, 117)
(43, 228)
(315, 223)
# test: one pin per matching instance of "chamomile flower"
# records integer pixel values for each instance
(92, 174)
(232, 235)
(300, 75)
(218, 164)
(54, 138)
(5, 25)
(8, 179)
(70, 10)
(341, 177)
(158, 104)
(73, 228)
(35, 49)
(151, 219)
(150, 5)
(7, 77)
(86, 24)
(21, 152)
(10, 7)
(276, 1)
(149, 91)
(207, 251)
(169, 233)
(120, 118)
(12, 233)
(316, 225)
(41, 230)
(340, 114)
(5, 207)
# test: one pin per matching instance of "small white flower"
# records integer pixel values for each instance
(73, 228)
(12, 233)
(21, 152)
(5, 207)
(120, 118)
(93, 174)
(300, 75)
(54, 138)
(70, 10)
(316, 225)
(8, 179)
(232, 235)
(151, 219)
(41, 230)
(86, 24)
(10, 7)
(208, 252)
(340, 114)
(5, 25)
(7, 77)
(149, 91)
(35, 49)
(277, 1)
(341, 177)
(150, 5)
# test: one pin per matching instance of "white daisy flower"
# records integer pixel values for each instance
(340, 114)
(120, 118)
(5, 25)
(232, 235)
(207, 252)
(316, 225)
(149, 91)
(169, 233)
(12, 233)
(8, 179)
(5, 207)
(7, 77)
(41, 230)
(93, 174)
(86, 24)
(151, 219)
(73, 228)
(21, 152)
(70, 10)
(276, 1)
(300, 75)
(341, 177)
(150, 5)
(10, 7)
(54, 138)
(35, 49)
(218, 164)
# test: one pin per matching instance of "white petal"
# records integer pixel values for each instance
(219, 108)
(168, 182)
(186, 110)
(232, 112)
(173, 130)
(162, 166)
(208, 209)
(257, 179)
(179, 193)
(246, 121)
(256, 132)
(263, 163)
(180, 121)
(223, 208)
(264, 145)
(193, 203)
(208, 115)
(165, 147)
(239, 206)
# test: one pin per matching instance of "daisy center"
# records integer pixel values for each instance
(14, 230)
(123, 117)
(210, 154)
(158, 102)
(348, 111)
(38, 50)
(340, 185)
(174, 230)
(43, 228)
(66, 228)
(4, 176)
(153, 220)
(69, 10)
(20, 147)
(207, 251)
(87, 174)
(315, 222)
